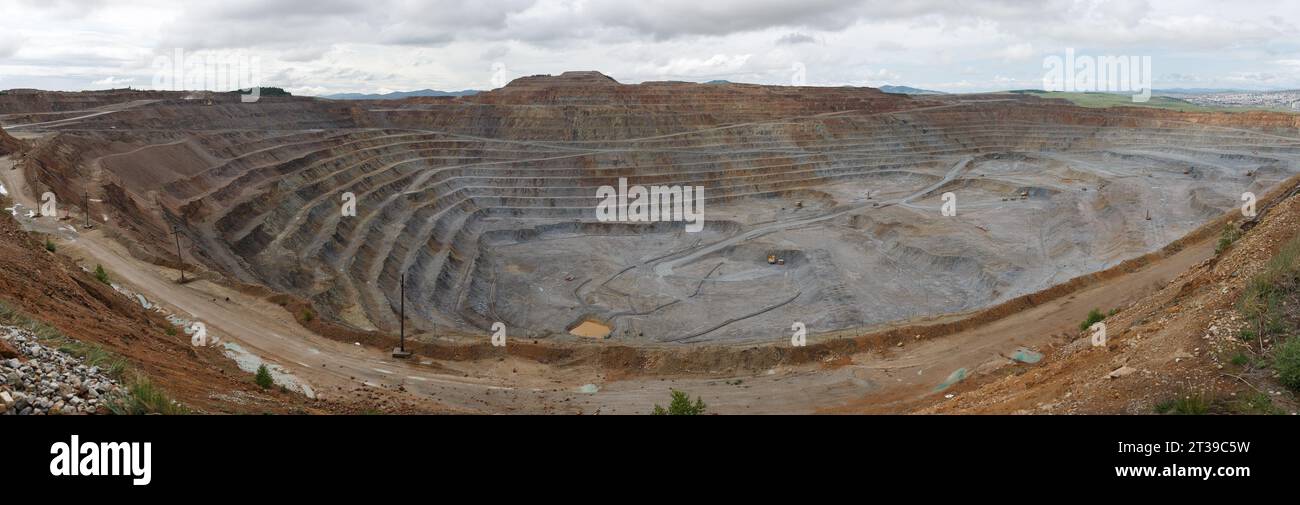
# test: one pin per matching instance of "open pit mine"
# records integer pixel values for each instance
(842, 211)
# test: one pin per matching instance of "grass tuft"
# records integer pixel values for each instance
(1258, 403)
(1185, 405)
(1286, 360)
(102, 275)
(143, 397)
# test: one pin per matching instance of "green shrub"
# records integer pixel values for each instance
(263, 377)
(681, 406)
(308, 315)
(1094, 316)
(1185, 405)
(101, 274)
(1286, 360)
(1229, 236)
(49, 245)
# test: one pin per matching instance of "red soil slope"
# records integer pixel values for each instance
(50, 288)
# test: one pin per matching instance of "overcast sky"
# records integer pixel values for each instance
(329, 46)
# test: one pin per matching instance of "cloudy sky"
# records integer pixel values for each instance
(329, 46)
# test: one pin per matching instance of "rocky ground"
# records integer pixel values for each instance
(40, 380)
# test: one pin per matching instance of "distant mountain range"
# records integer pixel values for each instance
(908, 90)
(399, 94)
(904, 90)
(901, 90)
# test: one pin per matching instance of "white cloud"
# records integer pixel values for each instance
(113, 81)
(10, 42)
(1017, 52)
(717, 65)
(796, 38)
(362, 45)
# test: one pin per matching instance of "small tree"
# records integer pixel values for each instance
(1229, 235)
(681, 406)
(101, 274)
(264, 377)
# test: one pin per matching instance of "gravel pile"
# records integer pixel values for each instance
(36, 379)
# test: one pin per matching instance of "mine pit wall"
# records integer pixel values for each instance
(10, 145)
(477, 308)
(617, 112)
(448, 264)
(18, 101)
(748, 358)
(1126, 117)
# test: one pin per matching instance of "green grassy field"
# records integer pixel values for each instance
(1103, 100)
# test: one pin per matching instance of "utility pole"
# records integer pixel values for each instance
(400, 351)
(176, 232)
(402, 303)
(85, 207)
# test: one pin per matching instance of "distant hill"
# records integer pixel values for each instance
(1103, 100)
(265, 91)
(908, 90)
(399, 94)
